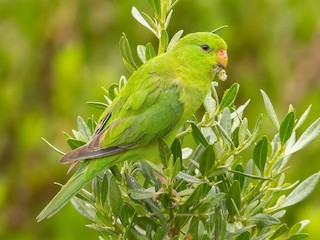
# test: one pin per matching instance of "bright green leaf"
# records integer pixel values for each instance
(298, 236)
(139, 194)
(127, 54)
(137, 15)
(174, 39)
(220, 30)
(141, 51)
(84, 208)
(260, 153)
(114, 196)
(83, 128)
(298, 227)
(244, 236)
(233, 198)
(303, 117)
(207, 161)
(198, 136)
(286, 127)
(164, 40)
(270, 110)
(309, 135)
(283, 228)
(74, 143)
(263, 220)
(229, 96)
(165, 152)
(98, 105)
(150, 52)
(301, 191)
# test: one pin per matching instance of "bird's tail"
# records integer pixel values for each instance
(87, 171)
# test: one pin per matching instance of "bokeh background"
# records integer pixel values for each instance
(56, 55)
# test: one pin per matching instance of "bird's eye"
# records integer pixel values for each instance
(205, 47)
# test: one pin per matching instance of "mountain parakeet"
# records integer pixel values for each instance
(157, 100)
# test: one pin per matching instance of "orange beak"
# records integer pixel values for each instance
(222, 58)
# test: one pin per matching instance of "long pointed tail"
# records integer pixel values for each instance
(88, 170)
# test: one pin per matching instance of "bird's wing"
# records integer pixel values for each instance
(143, 112)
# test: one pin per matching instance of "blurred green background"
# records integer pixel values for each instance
(56, 55)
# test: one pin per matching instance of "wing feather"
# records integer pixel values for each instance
(136, 118)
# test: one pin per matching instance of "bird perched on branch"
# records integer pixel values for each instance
(157, 100)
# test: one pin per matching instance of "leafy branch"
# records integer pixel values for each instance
(211, 191)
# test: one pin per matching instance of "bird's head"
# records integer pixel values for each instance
(204, 51)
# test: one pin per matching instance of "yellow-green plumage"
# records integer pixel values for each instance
(157, 100)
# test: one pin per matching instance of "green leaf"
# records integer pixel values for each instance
(199, 193)
(303, 117)
(53, 147)
(250, 140)
(159, 234)
(260, 153)
(286, 127)
(207, 161)
(244, 236)
(156, 168)
(104, 190)
(239, 177)
(243, 131)
(298, 227)
(126, 214)
(270, 110)
(263, 220)
(233, 198)
(114, 197)
(127, 54)
(309, 135)
(83, 128)
(74, 143)
(164, 40)
(155, 6)
(113, 91)
(97, 105)
(150, 52)
(141, 51)
(84, 208)
(220, 30)
(283, 228)
(176, 149)
(91, 124)
(198, 136)
(188, 178)
(298, 236)
(220, 222)
(147, 172)
(139, 194)
(174, 39)
(176, 168)
(210, 104)
(137, 15)
(301, 191)
(229, 96)
(96, 189)
(102, 229)
(235, 137)
(225, 121)
(165, 152)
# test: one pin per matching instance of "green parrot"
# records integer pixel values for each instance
(157, 100)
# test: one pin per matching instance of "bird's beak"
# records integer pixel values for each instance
(222, 58)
